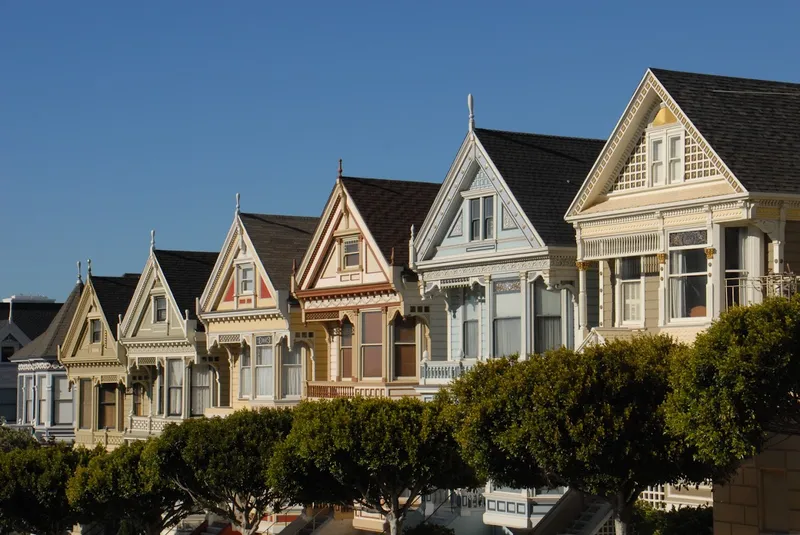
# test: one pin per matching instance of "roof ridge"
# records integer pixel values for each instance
(390, 180)
(279, 215)
(656, 70)
(535, 134)
(184, 251)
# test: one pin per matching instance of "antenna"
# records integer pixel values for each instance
(471, 106)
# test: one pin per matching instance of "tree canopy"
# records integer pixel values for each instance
(223, 464)
(380, 453)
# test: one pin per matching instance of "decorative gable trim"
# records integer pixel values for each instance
(457, 228)
(87, 301)
(616, 151)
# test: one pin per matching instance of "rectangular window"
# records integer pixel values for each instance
(246, 279)
(175, 387)
(687, 283)
(292, 365)
(547, 318)
(470, 327)
(735, 273)
(347, 349)
(675, 159)
(5, 353)
(630, 279)
(350, 253)
(107, 410)
(201, 388)
(245, 373)
(488, 218)
(474, 219)
(405, 347)
(41, 397)
(372, 344)
(28, 396)
(265, 360)
(97, 331)
(137, 394)
(160, 307)
(507, 308)
(85, 394)
(657, 161)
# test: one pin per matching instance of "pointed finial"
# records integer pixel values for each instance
(412, 232)
(471, 106)
(340, 168)
(294, 266)
(80, 280)
(237, 203)
(89, 267)
(391, 260)
(152, 240)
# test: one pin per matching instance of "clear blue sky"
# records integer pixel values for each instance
(115, 119)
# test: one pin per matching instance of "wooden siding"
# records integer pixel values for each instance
(608, 293)
(791, 251)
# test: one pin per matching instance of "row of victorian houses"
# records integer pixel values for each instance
(530, 242)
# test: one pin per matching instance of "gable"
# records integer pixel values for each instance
(77, 343)
(140, 319)
(629, 162)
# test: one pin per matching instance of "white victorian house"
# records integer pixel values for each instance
(495, 247)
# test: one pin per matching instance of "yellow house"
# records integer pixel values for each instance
(95, 360)
(355, 285)
(692, 207)
(253, 325)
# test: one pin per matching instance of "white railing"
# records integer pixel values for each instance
(617, 246)
(745, 290)
(147, 425)
(433, 372)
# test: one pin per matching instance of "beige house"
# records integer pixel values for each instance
(96, 362)
(262, 351)
(692, 207)
(171, 376)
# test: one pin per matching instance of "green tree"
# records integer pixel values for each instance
(118, 488)
(647, 520)
(739, 382)
(222, 463)
(379, 453)
(592, 420)
(33, 482)
(11, 439)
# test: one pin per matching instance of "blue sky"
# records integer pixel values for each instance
(116, 118)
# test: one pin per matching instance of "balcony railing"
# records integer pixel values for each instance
(744, 290)
(147, 425)
(332, 390)
(433, 372)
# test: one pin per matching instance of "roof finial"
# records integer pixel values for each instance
(471, 106)
(237, 203)
(294, 266)
(391, 260)
(340, 168)
(80, 280)
(89, 268)
(152, 240)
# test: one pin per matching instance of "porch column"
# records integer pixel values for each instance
(662, 289)
(583, 313)
(523, 315)
(50, 378)
(754, 261)
(335, 373)
(717, 271)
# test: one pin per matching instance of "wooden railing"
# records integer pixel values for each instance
(331, 390)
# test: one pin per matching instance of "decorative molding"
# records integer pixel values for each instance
(625, 245)
(39, 366)
(508, 220)
(350, 301)
(662, 258)
(583, 265)
(503, 267)
(457, 229)
(710, 252)
(481, 180)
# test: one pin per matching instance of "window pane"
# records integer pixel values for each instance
(688, 296)
(546, 303)
(475, 219)
(657, 153)
(292, 372)
(507, 301)
(689, 261)
(734, 248)
(201, 389)
(488, 217)
(246, 380)
(471, 299)
(136, 396)
(245, 355)
(96, 331)
(264, 381)
(675, 149)
(372, 330)
(107, 414)
(658, 173)
(62, 413)
(86, 403)
(372, 361)
(405, 330)
(264, 356)
(630, 268)
(41, 394)
(161, 309)
(631, 301)
(471, 339)
(405, 360)
(347, 334)
(507, 336)
(548, 333)
(347, 362)
(675, 170)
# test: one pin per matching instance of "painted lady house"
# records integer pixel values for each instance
(495, 249)
(96, 362)
(171, 375)
(692, 207)
(262, 351)
(355, 285)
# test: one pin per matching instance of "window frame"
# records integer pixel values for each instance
(92, 331)
(495, 317)
(57, 401)
(665, 134)
(85, 401)
(101, 404)
(245, 352)
(622, 283)
(265, 343)
(484, 222)
(157, 299)
(670, 276)
(194, 388)
(168, 388)
(343, 347)
(241, 268)
(343, 256)
(299, 349)
(396, 342)
(466, 295)
(364, 345)
(137, 392)
(539, 286)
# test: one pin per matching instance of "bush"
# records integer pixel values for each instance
(647, 520)
(429, 529)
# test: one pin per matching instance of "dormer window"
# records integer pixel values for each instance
(246, 279)
(481, 218)
(96, 331)
(351, 250)
(665, 146)
(160, 309)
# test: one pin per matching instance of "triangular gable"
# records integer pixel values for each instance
(471, 170)
(220, 290)
(88, 307)
(621, 164)
(151, 282)
(341, 216)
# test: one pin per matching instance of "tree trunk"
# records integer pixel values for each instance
(622, 516)
(395, 522)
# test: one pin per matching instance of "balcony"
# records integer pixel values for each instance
(107, 438)
(744, 290)
(332, 389)
(145, 426)
(435, 372)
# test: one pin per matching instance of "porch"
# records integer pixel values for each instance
(744, 290)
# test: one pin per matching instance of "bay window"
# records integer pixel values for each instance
(175, 369)
(41, 397)
(245, 373)
(200, 388)
(346, 349)
(137, 393)
(292, 371)
(405, 347)
(507, 308)
(27, 415)
(62, 401)
(265, 365)
(372, 344)
(471, 324)
(631, 290)
(735, 272)
(687, 274)
(546, 318)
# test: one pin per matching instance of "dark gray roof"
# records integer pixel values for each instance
(279, 240)
(754, 125)
(187, 273)
(389, 208)
(544, 174)
(114, 295)
(31, 318)
(45, 346)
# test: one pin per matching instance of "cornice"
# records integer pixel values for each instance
(548, 262)
(343, 291)
(240, 315)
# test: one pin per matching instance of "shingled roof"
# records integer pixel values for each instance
(187, 273)
(389, 208)
(45, 346)
(754, 125)
(115, 294)
(544, 174)
(31, 317)
(279, 241)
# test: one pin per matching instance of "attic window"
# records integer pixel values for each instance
(160, 309)
(350, 253)
(246, 279)
(96, 331)
(665, 149)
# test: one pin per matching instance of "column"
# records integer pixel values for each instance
(662, 289)
(717, 272)
(51, 405)
(583, 313)
(335, 336)
(524, 292)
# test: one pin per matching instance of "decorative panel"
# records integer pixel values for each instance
(508, 220)
(697, 163)
(691, 237)
(618, 246)
(458, 226)
(481, 181)
(634, 172)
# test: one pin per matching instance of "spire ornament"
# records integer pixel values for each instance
(80, 280)
(471, 107)
(89, 268)
(237, 204)
(340, 169)
(152, 240)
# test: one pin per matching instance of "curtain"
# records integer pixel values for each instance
(175, 387)
(245, 375)
(264, 375)
(292, 378)
(677, 286)
(507, 336)
(201, 389)
(507, 308)
(471, 339)
(62, 409)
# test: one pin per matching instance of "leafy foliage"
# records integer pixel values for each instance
(118, 488)
(738, 382)
(429, 529)
(11, 439)
(647, 520)
(223, 464)
(381, 453)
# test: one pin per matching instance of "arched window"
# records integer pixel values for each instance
(292, 378)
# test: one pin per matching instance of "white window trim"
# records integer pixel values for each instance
(342, 266)
(255, 366)
(480, 195)
(156, 321)
(241, 393)
(619, 294)
(700, 320)
(240, 266)
(91, 331)
(664, 133)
